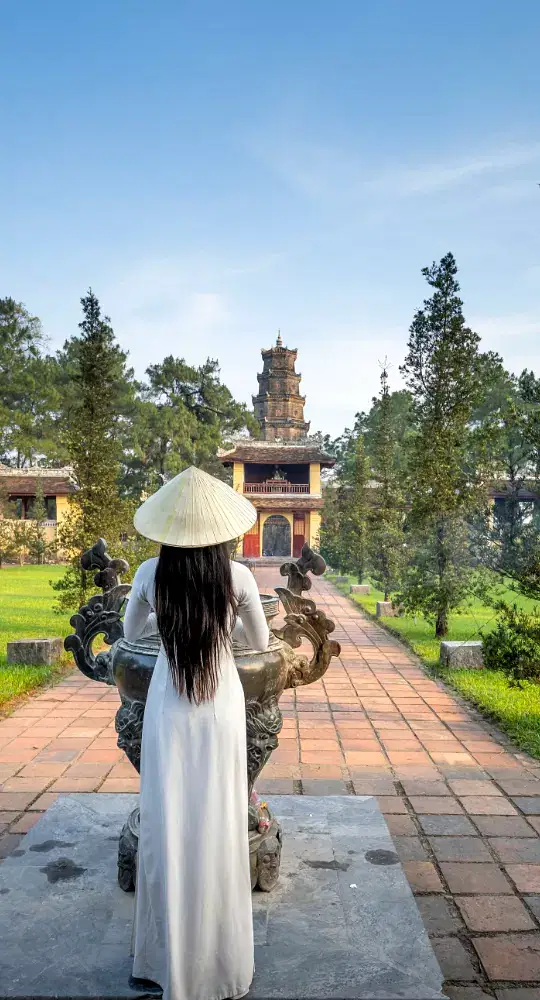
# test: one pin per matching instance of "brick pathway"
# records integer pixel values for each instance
(462, 805)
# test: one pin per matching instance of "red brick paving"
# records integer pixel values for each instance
(462, 804)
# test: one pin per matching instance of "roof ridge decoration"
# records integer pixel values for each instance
(36, 471)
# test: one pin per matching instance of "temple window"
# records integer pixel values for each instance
(23, 508)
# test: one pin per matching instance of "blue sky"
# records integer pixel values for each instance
(216, 170)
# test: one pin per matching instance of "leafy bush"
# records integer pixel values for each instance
(514, 645)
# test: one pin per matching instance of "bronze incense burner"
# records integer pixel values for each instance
(264, 677)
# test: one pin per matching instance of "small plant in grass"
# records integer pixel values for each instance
(20, 541)
(39, 546)
(8, 545)
(514, 645)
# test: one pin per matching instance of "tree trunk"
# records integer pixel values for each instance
(441, 625)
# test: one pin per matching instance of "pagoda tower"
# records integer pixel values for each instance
(280, 472)
(278, 406)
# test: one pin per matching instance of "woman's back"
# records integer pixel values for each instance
(193, 932)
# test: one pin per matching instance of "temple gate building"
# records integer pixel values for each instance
(281, 472)
(20, 487)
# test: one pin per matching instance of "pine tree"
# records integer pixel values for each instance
(354, 507)
(98, 371)
(331, 530)
(27, 393)
(508, 542)
(183, 417)
(20, 540)
(443, 371)
(385, 535)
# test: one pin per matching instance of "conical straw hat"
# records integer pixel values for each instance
(194, 510)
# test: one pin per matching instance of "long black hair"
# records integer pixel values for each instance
(195, 606)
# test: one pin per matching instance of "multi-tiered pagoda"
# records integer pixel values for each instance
(281, 472)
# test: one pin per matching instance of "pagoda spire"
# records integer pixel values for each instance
(278, 406)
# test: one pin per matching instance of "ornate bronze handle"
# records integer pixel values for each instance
(303, 620)
(101, 616)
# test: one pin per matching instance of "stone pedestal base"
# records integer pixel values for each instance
(462, 655)
(128, 846)
(36, 652)
(264, 853)
(265, 856)
(385, 609)
(341, 924)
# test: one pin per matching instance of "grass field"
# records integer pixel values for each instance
(516, 710)
(26, 600)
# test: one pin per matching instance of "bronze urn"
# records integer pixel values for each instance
(264, 677)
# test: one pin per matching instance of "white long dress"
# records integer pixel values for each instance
(193, 931)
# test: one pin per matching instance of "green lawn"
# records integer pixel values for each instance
(516, 710)
(26, 600)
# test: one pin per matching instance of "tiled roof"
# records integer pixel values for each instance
(500, 493)
(24, 482)
(275, 453)
(279, 503)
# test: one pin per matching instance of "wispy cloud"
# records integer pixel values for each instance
(332, 173)
(503, 328)
(438, 176)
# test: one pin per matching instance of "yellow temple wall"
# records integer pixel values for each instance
(238, 477)
(62, 507)
(314, 477)
(50, 529)
(314, 529)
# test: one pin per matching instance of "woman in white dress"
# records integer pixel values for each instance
(193, 934)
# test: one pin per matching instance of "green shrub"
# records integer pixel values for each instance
(514, 645)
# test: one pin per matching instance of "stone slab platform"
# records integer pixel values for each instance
(342, 924)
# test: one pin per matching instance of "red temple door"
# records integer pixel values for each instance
(299, 534)
(251, 542)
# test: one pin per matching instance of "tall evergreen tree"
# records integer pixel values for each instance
(354, 507)
(509, 539)
(386, 514)
(331, 540)
(98, 371)
(443, 371)
(396, 410)
(529, 391)
(27, 392)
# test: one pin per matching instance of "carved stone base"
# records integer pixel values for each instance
(127, 852)
(264, 853)
(265, 856)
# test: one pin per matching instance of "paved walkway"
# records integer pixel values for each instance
(462, 805)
